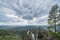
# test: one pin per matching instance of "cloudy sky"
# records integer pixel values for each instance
(25, 12)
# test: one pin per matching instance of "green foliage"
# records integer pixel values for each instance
(53, 17)
(54, 35)
(10, 38)
(58, 35)
(58, 24)
(6, 33)
(9, 35)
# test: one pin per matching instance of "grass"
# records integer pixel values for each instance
(10, 38)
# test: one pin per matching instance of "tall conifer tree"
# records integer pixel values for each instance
(53, 17)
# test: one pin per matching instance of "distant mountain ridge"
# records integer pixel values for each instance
(28, 27)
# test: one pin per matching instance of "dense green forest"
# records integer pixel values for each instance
(9, 35)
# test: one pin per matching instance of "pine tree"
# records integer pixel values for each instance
(53, 17)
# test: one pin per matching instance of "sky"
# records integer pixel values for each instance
(25, 12)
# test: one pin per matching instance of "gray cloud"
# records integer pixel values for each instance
(23, 10)
(27, 17)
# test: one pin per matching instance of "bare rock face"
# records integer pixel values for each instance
(41, 35)
(28, 36)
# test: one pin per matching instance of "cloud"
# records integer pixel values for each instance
(27, 17)
(25, 11)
